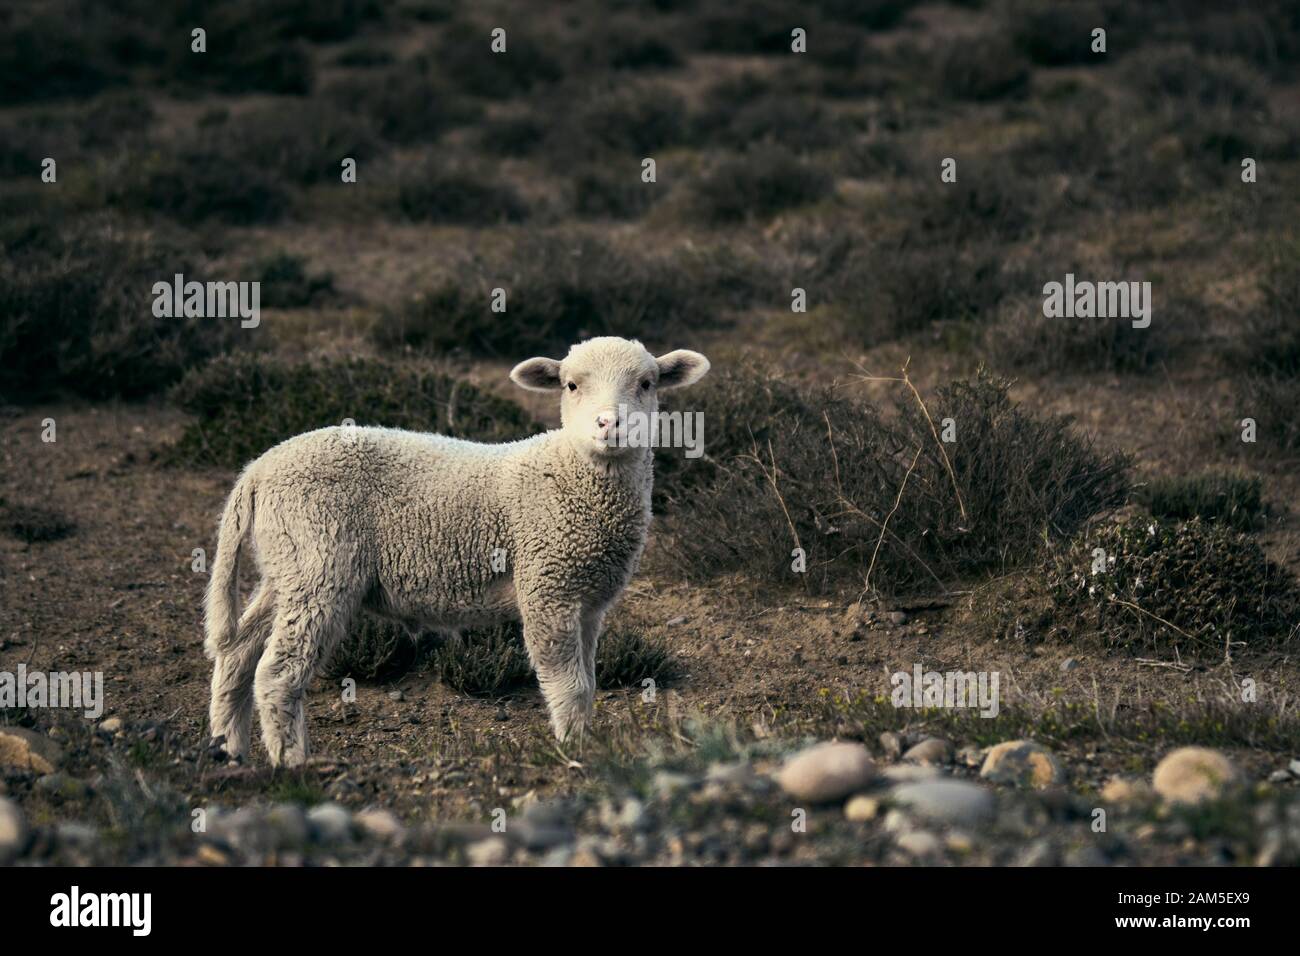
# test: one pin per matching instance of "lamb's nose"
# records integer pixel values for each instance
(605, 421)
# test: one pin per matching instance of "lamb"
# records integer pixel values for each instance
(441, 534)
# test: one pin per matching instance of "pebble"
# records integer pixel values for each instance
(665, 783)
(931, 750)
(110, 726)
(1038, 853)
(947, 801)
(13, 830)
(1022, 763)
(919, 843)
(827, 772)
(381, 824)
(331, 822)
(1192, 775)
(22, 749)
(911, 773)
(740, 774)
(892, 744)
(1125, 790)
(896, 617)
(493, 851)
(1294, 767)
(1068, 665)
(862, 808)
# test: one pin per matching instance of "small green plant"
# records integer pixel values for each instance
(625, 658)
(374, 649)
(486, 662)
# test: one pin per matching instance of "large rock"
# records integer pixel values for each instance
(946, 801)
(22, 749)
(1022, 763)
(1194, 774)
(13, 830)
(827, 772)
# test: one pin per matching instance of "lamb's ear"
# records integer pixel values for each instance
(682, 367)
(537, 374)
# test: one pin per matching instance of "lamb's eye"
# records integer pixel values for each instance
(573, 386)
(645, 386)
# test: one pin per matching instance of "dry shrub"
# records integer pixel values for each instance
(787, 467)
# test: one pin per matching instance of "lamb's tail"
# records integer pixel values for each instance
(221, 610)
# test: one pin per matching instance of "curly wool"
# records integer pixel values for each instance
(437, 532)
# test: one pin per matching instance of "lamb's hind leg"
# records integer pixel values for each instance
(230, 711)
(554, 641)
(304, 634)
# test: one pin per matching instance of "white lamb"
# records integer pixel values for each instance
(408, 524)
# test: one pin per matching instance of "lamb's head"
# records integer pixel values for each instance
(603, 383)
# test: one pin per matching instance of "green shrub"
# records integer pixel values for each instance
(465, 56)
(1271, 341)
(286, 283)
(1026, 339)
(303, 143)
(438, 193)
(53, 50)
(407, 104)
(1188, 588)
(516, 134)
(1057, 34)
(35, 524)
(625, 658)
(1193, 80)
(602, 193)
(486, 662)
(75, 316)
(374, 649)
(634, 120)
(197, 185)
(1231, 498)
(888, 291)
(758, 185)
(982, 68)
(560, 289)
(245, 403)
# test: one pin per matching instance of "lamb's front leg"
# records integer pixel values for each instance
(553, 637)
